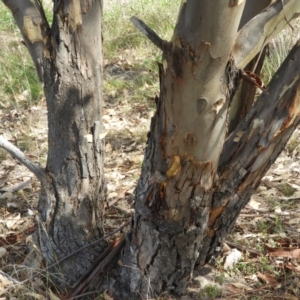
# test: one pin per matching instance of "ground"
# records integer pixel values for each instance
(260, 259)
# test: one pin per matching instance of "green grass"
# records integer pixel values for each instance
(7, 21)
(120, 35)
(20, 85)
(279, 48)
(125, 44)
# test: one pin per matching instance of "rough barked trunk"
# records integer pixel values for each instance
(71, 207)
(251, 149)
(191, 190)
(68, 58)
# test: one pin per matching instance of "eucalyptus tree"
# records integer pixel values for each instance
(208, 148)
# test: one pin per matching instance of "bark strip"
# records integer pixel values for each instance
(261, 29)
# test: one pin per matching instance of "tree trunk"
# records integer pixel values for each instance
(183, 212)
(68, 58)
(244, 97)
(72, 207)
(251, 149)
(174, 193)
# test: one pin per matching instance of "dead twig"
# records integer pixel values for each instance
(24, 160)
(243, 248)
(98, 267)
(148, 32)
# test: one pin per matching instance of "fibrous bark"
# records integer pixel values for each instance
(72, 209)
(68, 58)
(190, 191)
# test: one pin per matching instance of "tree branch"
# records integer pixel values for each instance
(252, 148)
(269, 124)
(22, 158)
(33, 25)
(262, 28)
(148, 32)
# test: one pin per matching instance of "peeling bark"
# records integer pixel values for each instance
(191, 189)
(244, 96)
(252, 148)
(33, 25)
(174, 193)
(261, 29)
(183, 211)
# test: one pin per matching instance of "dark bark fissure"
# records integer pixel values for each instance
(182, 214)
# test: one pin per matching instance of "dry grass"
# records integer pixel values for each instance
(131, 83)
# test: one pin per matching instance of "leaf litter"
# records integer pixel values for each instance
(263, 259)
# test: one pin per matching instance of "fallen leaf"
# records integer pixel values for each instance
(242, 286)
(268, 279)
(284, 253)
(254, 204)
(296, 195)
(294, 221)
(7, 195)
(11, 222)
(12, 204)
(232, 258)
(30, 212)
(106, 296)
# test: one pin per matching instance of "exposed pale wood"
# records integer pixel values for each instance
(244, 96)
(252, 148)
